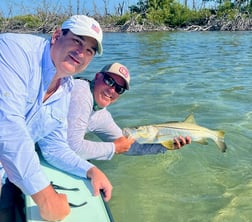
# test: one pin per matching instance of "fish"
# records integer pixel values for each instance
(164, 133)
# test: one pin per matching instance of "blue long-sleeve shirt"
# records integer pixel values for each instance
(82, 118)
(26, 70)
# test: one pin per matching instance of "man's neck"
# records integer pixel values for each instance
(52, 88)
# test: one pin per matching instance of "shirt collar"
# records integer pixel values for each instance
(48, 68)
(95, 105)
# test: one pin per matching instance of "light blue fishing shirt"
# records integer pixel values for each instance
(26, 70)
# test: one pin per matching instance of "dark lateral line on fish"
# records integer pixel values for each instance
(179, 128)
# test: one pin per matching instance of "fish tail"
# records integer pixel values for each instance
(220, 141)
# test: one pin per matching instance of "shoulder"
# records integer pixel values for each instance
(23, 53)
(22, 39)
(22, 47)
(81, 90)
(103, 113)
(81, 84)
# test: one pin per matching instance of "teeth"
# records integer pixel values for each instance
(108, 95)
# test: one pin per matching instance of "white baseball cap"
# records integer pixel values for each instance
(85, 26)
(120, 70)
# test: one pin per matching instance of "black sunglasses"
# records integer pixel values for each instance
(109, 81)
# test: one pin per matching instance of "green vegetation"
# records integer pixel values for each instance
(168, 13)
(173, 13)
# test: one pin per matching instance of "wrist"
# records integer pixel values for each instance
(42, 196)
(91, 172)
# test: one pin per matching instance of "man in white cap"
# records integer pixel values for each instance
(88, 113)
(35, 85)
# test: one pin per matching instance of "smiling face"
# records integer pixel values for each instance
(105, 95)
(70, 53)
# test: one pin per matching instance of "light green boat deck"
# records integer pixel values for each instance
(94, 211)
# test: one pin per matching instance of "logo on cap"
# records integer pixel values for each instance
(124, 72)
(95, 28)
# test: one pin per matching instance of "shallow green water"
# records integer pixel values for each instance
(174, 74)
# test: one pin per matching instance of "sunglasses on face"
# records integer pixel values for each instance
(109, 81)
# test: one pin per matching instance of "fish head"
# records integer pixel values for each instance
(132, 132)
(129, 132)
(137, 132)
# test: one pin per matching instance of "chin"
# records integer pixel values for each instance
(103, 104)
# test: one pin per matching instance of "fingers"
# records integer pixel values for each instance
(96, 190)
(105, 190)
(123, 144)
(131, 140)
(107, 193)
(100, 182)
(181, 141)
(188, 140)
(52, 206)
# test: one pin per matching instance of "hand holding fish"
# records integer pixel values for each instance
(122, 144)
(180, 141)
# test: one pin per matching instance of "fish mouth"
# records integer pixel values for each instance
(126, 132)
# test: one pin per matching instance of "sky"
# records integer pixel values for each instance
(21, 7)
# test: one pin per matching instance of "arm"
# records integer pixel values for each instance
(145, 149)
(17, 152)
(138, 149)
(82, 119)
(61, 156)
(18, 93)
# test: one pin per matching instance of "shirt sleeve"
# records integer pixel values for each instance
(138, 149)
(64, 158)
(82, 119)
(17, 151)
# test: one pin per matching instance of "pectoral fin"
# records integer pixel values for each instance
(202, 141)
(168, 144)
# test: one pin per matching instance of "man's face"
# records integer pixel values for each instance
(70, 53)
(104, 94)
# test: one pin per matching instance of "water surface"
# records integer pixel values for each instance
(175, 74)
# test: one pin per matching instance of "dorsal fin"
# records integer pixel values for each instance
(190, 119)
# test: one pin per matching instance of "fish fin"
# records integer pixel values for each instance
(202, 141)
(190, 119)
(168, 144)
(220, 142)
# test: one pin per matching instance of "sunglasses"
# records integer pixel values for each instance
(109, 81)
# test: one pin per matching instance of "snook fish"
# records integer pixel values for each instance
(164, 133)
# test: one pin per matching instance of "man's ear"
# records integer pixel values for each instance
(97, 75)
(56, 35)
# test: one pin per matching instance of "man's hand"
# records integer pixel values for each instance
(52, 206)
(123, 144)
(181, 141)
(100, 182)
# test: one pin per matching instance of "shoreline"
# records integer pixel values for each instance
(239, 23)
